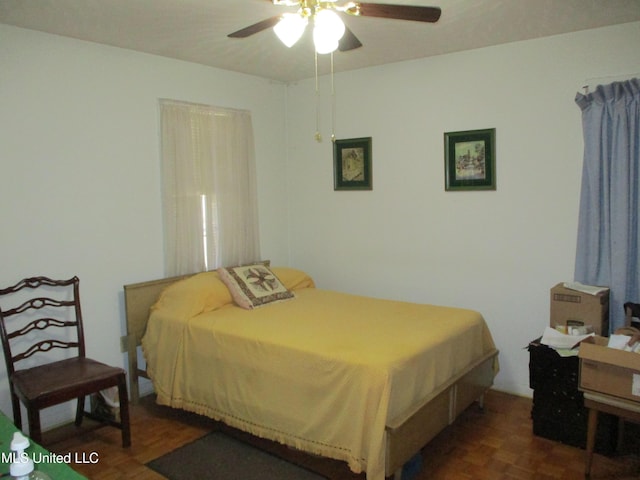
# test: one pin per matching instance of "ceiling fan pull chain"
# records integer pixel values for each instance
(333, 104)
(318, 137)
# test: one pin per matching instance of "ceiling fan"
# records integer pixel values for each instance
(330, 33)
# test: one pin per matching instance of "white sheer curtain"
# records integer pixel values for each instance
(209, 187)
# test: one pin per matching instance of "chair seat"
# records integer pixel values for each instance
(52, 383)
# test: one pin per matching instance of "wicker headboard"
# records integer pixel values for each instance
(138, 298)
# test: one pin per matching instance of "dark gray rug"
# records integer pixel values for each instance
(217, 456)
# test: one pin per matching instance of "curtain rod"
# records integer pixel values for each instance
(171, 101)
(608, 78)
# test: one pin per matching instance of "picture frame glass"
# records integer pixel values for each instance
(470, 160)
(352, 164)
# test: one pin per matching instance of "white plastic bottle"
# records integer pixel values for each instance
(22, 467)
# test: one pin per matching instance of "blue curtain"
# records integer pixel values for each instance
(607, 249)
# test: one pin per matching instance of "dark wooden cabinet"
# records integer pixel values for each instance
(558, 411)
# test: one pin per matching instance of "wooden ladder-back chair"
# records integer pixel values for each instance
(49, 317)
(632, 314)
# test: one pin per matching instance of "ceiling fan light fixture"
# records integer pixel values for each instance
(324, 44)
(352, 8)
(328, 29)
(290, 28)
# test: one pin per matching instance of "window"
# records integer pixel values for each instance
(208, 187)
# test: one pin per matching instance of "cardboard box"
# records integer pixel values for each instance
(609, 370)
(574, 308)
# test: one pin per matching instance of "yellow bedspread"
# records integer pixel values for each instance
(323, 372)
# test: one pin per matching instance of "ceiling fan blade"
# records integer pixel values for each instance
(400, 12)
(348, 41)
(255, 28)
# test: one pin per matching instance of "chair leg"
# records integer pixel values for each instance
(79, 411)
(592, 426)
(17, 414)
(124, 412)
(35, 431)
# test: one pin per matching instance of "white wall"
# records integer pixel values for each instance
(80, 174)
(498, 252)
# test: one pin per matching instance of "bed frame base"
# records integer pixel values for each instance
(406, 434)
(410, 432)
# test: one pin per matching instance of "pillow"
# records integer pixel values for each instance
(193, 295)
(293, 279)
(253, 286)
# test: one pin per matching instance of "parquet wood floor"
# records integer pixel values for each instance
(494, 443)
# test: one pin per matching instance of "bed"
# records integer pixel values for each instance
(363, 380)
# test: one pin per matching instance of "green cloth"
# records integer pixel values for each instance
(45, 461)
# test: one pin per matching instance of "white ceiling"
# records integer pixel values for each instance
(196, 30)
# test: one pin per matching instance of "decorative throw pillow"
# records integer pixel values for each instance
(253, 286)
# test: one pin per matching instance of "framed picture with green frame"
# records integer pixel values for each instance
(352, 164)
(470, 160)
